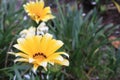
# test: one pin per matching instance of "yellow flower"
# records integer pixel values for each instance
(40, 50)
(37, 11)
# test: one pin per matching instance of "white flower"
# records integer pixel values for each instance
(41, 30)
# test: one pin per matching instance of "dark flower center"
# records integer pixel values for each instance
(38, 55)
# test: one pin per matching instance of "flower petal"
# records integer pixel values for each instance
(43, 64)
(64, 62)
(55, 57)
(44, 42)
(29, 45)
(47, 17)
(21, 55)
(53, 46)
(31, 60)
(62, 53)
(22, 45)
(35, 66)
(46, 11)
(21, 60)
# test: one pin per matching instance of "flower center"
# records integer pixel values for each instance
(39, 56)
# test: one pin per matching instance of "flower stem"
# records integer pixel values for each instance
(36, 31)
(6, 58)
(35, 25)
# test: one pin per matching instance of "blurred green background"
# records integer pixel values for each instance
(83, 25)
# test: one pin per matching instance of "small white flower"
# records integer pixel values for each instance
(41, 30)
(25, 18)
(83, 14)
(26, 32)
(93, 3)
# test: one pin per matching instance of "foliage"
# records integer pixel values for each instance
(11, 22)
(86, 42)
(85, 39)
(117, 5)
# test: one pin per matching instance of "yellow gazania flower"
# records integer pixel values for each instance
(37, 11)
(40, 50)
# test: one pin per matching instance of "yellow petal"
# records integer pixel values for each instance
(11, 53)
(47, 17)
(44, 42)
(58, 53)
(35, 66)
(21, 60)
(22, 46)
(55, 57)
(37, 20)
(31, 60)
(46, 11)
(53, 46)
(41, 5)
(36, 43)
(34, 7)
(43, 64)
(51, 62)
(21, 55)
(64, 62)
(29, 45)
